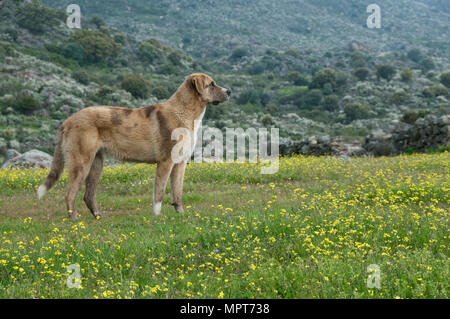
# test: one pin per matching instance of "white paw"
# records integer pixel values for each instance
(157, 209)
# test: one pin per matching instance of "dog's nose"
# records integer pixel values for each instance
(228, 92)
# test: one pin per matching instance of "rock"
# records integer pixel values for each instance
(33, 158)
(11, 153)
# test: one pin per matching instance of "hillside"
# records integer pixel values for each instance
(309, 68)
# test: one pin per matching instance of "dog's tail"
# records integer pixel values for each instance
(56, 168)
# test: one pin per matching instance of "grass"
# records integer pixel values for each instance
(309, 231)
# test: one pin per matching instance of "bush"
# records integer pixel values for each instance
(312, 98)
(12, 33)
(74, 51)
(81, 76)
(385, 71)
(411, 117)
(331, 103)
(267, 120)
(36, 17)
(323, 77)
(175, 57)
(97, 21)
(361, 73)
(136, 85)
(150, 52)
(445, 79)
(435, 90)
(272, 109)
(97, 46)
(252, 96)
(427, 64)
(415, 55)
(399, 97)
(238, 54)
(355, 111)
(406, 75)
(296, 78)
(357, 60)
(161, 92)
(25, 104)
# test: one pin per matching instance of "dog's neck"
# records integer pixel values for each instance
(187, 105)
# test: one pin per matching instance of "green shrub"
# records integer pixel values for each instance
(355, 111)
(81, 76)
(435, 90)
(150, 51)
(175, 57)
(238, 54)
(161, 92)
(445, 79)
(415, 55)
(136, 85)
(385, 71)
(411, 117)
(25, 104)
(267, 120)
(252, 96)
(427, 64)
(12, 33)
(399, 97)
(312, 98)
(406, 75)
(97, 21)
(357, 60)
(97, 46)
(36, 17)
(361, 73)
(323, 77)
(74, 51)
(272, 109)
(331, 102)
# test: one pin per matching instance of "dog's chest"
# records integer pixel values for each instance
(197, 124)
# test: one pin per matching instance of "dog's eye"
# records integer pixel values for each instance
(212, 84)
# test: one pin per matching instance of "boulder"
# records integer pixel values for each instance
(33, 158)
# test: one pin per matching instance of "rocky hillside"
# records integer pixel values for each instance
(307, 67)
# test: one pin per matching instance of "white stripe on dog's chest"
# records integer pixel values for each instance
(197, 124)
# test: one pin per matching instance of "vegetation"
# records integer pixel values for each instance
(315, 233)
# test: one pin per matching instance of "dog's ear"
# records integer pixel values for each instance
(198, 83)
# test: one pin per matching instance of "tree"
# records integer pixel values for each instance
(427, 64)
(267, 120)
(238, 54)
(97, 21)
(331, 102)
(385, 71)
(313, 98)
(445, 79)
(361, 73)
(97, 46)
(74, 51)
(136, 85)
(399, 97)
(415, 55)
(36, 17)
(323, 77)
(406, 75)
(161, 92)
(435, 90)
(355, 111)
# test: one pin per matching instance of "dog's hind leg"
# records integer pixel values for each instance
(176, 184)
(92, 182)
(162, 175)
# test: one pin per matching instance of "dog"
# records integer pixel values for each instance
(138, 135)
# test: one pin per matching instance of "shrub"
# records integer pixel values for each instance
(81, 76)
(445, 79)
(36, 17)
(12, 33)
(238, 54)
(357, 60)
(427, 64)
(25, 103)
(411, 117)
(323, 77)
(97, 46)
(415, 55)
(97, 21)
(355, 111)
(252, 96)
(435, 90)
(267, 120)
(361, 73)
(175, 57)
(331, 102)
(161, 92)
(74, 51)
(272, 109)
(149, 51)
(313, 98)
(385, 71)
(399, 97)
(136, 85)
(406, 75)
(296, 78)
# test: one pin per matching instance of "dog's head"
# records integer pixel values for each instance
(207, 89)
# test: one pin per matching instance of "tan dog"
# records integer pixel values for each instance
(138, 135)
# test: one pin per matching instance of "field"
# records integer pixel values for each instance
(309, 231)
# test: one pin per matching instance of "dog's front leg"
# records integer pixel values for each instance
(176, 184)
(163, 170)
